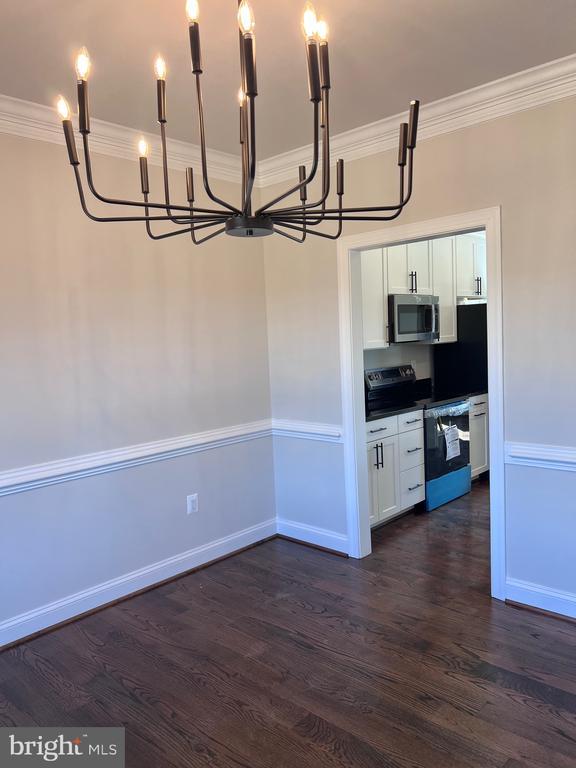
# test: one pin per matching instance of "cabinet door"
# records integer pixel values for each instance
(388, 480)
(396, 257)
(444, 285)
(466, 276)
(479, 447)
(373, 453)
(480, 270)
(374, 299)
(418, 258)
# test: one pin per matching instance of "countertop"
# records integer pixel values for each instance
(418, 405)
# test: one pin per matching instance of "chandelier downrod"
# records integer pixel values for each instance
(295, 221)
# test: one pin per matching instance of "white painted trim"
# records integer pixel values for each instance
(328, 433)
(524, 90)
(321, 537)
(70, 606)
(77, 467)
(553, 600)
(560, 457)
(37, 121)
(350, 324)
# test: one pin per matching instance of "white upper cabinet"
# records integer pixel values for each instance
(374, 299)
(409, 268)
(443, 253)
(471, 265)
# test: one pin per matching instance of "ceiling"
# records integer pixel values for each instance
(383, 53)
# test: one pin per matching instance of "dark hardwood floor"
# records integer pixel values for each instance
(284, 656)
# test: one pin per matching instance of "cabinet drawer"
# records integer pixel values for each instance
(412, 490)
(382, 428)
(408, 421)
(479, 400)
(411, 446)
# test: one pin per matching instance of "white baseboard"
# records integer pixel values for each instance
(553, 600)
(68, 607)
(321, 537)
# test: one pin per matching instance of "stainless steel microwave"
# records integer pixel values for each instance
(413, 318)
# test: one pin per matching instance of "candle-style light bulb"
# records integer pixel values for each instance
(143, 147)
(192, 11)
(83, 64)
(322, 31)
(160, 68)
(246, 18)
(63, 108)
(309, 21)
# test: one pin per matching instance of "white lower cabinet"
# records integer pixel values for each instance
(412, 486)
(479, 440)
(384, 479)
(395, 465)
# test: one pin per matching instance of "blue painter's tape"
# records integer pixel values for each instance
(443, 489)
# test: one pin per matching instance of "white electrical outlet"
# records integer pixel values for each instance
(192, 504)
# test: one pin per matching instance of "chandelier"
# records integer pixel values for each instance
(242, 219)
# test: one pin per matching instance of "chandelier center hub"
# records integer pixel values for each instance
(249, 226)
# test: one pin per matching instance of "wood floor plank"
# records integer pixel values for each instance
(288, 657)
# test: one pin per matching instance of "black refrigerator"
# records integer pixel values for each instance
(461, 368)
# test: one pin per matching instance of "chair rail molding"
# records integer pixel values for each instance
(523, 90)
(64, 470)
(559, 457)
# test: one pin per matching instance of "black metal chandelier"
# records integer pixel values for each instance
(294, 221)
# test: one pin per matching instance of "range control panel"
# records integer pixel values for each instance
(378, 378)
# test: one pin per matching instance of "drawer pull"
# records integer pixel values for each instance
(413, 450)
(414, 487)
(381, 429)
(482, 402)
(483, 413)
(413, 421)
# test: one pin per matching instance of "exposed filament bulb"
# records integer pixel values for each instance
(246, 18)
(160, 68)
(63, 108)
(143, 147)
(192, 11)
(309, 21)
(322, 31)
(83, 64)
(241, 97)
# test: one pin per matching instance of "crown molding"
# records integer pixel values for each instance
(515, 93)
(37, 121)
(524, 90)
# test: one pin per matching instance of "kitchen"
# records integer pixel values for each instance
(425, 372)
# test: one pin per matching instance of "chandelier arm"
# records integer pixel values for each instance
(295, 210)
(251, 105)
(114, 201)
(112, 219)
(185, 231)
(284, 223)
(325, 164)
(201, 126)
(169, 207)
(313, 170)
(207, 237)
(290, 237)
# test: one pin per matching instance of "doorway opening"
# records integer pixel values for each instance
(422, 403)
